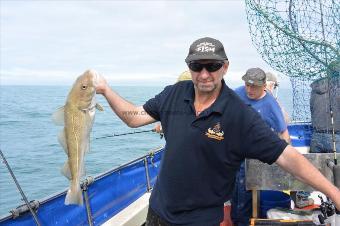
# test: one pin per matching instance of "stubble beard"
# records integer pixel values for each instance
(206, 88)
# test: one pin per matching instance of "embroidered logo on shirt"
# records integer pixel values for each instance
(215, 132)
(205, 47)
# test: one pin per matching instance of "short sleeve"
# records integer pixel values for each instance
(261, 142)
(153, 105)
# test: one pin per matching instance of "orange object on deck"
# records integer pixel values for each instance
(227, 219)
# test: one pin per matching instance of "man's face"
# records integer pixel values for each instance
(207, 79)
(255, 92)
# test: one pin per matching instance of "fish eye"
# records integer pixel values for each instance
(83, 87)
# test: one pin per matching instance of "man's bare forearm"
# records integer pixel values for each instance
(132, 115)
(296, 164)
(121, 106)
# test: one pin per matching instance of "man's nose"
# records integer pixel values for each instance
(204, 73)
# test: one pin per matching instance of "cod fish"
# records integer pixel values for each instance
(77, 117)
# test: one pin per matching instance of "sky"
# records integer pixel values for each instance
(128, 42)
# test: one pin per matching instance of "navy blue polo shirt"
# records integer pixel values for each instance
(204, 153)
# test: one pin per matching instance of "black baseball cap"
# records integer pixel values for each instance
(206, 49)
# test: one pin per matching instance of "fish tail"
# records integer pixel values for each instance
(74, 196)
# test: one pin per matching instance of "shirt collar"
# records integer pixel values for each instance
(218, 105)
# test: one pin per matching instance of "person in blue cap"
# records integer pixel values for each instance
(209, 132)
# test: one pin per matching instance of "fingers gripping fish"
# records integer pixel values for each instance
(77, 117)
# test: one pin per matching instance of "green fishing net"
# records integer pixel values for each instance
(300, 39)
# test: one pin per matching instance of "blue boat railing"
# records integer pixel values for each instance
(110, 192)
(114, 190)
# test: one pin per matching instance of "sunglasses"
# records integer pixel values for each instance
(211, 67)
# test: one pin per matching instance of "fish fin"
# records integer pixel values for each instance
(99, 107)
(66, 171)
(62, 140)
(74, 196)
(58, 116)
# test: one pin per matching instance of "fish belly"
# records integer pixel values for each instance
(77, 130)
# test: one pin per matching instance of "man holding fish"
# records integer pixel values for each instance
(209, 132)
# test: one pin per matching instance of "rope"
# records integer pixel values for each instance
(147, 173)
(84, 186)
(20, 190)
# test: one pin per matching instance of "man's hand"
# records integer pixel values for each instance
(102, 85)
(158, 128)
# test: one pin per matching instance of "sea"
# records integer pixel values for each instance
(28, 139)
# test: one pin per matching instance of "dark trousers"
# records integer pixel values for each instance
(241, 202)
(152, 219)
(323, 143)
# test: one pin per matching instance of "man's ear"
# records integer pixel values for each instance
(225, 67)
